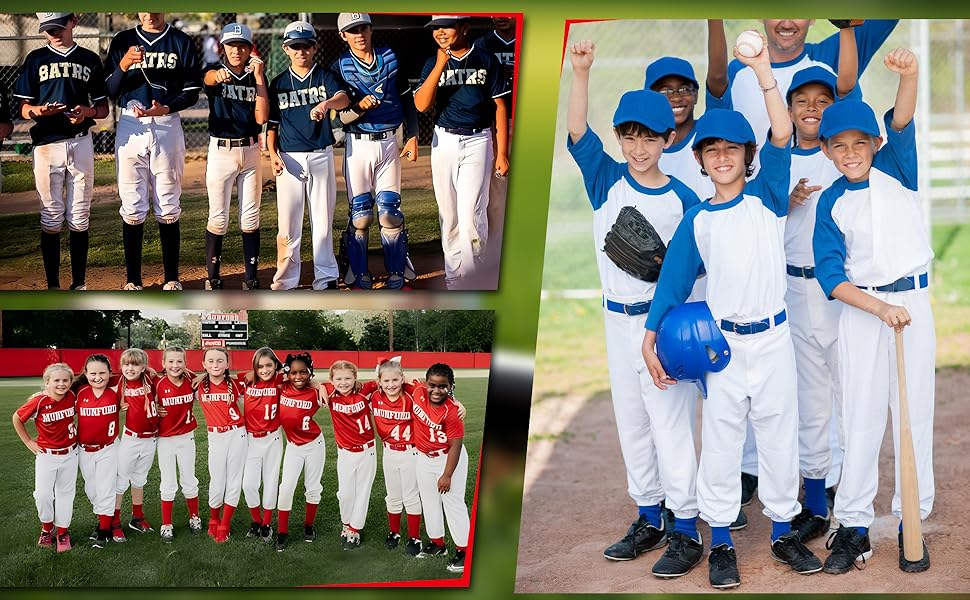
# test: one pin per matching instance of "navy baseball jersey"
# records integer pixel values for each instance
(232, 107)
(467, 88)
(169, 73)
(71, 77)
(504, 51)
(291, 98)
(379, 79)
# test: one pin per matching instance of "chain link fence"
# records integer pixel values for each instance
(404, 33)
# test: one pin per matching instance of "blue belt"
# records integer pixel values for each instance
(806, 272)
(903, 284)
(637, 308)
(754, 326)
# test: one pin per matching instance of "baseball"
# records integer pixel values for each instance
(749, 43)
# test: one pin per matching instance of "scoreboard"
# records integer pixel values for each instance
(225, 329)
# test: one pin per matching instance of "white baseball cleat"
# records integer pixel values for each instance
(172, 285)
(130, 287)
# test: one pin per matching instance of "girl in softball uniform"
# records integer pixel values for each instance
(219, 397)
(55, 448)
(356, 454)
(176, 441)
(136, 453)
(305, 450)
(97, 430)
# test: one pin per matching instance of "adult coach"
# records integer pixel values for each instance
(153, 73)
(238, 108)
(468, 92)
(380, 101)
(61, 87)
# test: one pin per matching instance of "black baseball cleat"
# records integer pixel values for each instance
(281, 539)
(253, 530)
(682, 554)
(101, 540)
(723, 564)
(213, 284)
(668, 517)
(432, 549)
(413, 547)
(849, 549)
(457, 562)
(308, 533)
(392, 541)
(640, 537)
(749, 483)
(910, 566)
(808, 526)
(93, 535)
(140, 525)
(740, 523)
(266, 533)
(790, 550)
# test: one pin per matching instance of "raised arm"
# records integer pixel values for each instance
(848, 74)
(778, 117)
(581, 57)
(717, 61)
(903, 62)
(425, 94)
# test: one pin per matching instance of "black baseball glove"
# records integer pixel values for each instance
(846, 23)
(634, 245)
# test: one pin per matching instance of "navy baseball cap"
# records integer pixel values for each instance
(299, 32)
(723, 124)
(50, 21)
(445, 20)
(847, 115)
(647, 107)
(236, 32)
(814, 74)
(667, 66)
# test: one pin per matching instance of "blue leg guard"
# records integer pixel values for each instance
(394, 239)
(354, 241)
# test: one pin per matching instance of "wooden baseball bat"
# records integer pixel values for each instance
(908, 486)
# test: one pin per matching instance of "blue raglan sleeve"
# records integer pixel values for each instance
(897, 157)
(712, 101)
(678, 273)
(599, 169)
(828, 242)
(771, 183)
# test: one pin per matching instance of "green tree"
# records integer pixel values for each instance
(374, 336)
(61, 328)
(298, 330)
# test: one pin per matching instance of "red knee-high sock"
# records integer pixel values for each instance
(167, 506)
(136, 511)
(267, 516)
(104, 522)
(254, 513)
(284, 521)
(394, 521)
(440, 541)
(214, 514)
(311, 514)
(227, 510)
(193, 504)
(414, 525)
(48, 527)
(116, 520)
(61, 531)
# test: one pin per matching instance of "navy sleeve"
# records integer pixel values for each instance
(681, 265)
(274, 106)
(426, 70)
(333, 84)
(97, 88)
(498, 83)
(599, 169)
(897, 157)
(112, 67)
(828, 242)
(26, 88)
(771, 183)
(192, 84)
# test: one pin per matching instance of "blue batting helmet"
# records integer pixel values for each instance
(690, 344)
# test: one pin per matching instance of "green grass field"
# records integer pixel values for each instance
(196, 561)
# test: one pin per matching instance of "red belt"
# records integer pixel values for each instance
(96, 447)
(136, 434)
(398, 446)
(436, 453)
(57, 451)
(223, 428)
(262, 434)
(369, 444)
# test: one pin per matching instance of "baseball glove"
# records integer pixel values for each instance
(634, 245)
(846, 23)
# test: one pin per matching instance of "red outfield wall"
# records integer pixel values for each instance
(30, 362)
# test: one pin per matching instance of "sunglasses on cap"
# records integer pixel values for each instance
(300, 47)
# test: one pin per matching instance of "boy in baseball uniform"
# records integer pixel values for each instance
(872, 252)
(238, 108)
(380, 101)
(737, 237)
(61, 88)
(153, 73)
(653, 427)
(300, 143)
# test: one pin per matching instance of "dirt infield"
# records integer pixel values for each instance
(576, 504)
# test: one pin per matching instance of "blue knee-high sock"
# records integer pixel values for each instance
(865, 530)
(780, 528)
(687, 527)
(815, 497)
(651, 514)
(721, 535)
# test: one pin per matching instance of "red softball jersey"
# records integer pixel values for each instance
(434, 424)
(54, 419)
(177, 400)
(220, 403)
(393, 419)
(351, 418)
(142, 414)
(97, 416)
(297, 408)
(261, 404)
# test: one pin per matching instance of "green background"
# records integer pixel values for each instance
(517, 300)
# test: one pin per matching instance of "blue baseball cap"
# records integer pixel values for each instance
(814, 74)
(723, 124)
(847, 115)
(299, 32)
(667, 66)
(646, 107)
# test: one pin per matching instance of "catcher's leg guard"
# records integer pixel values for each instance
(394, 239)
(353, 242)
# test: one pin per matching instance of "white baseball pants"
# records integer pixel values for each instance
(149, 160)
(135, 458)
(227, 457)
(455, 510)
(225, 167)
(100, 472)
(55, 480)
(64, 177)
(401, 481)
(355, 478)
(308, 180)
(177, 450)
(372, 165)
(867, 351)
(308, 459)
(461, 169)
(263, 458)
